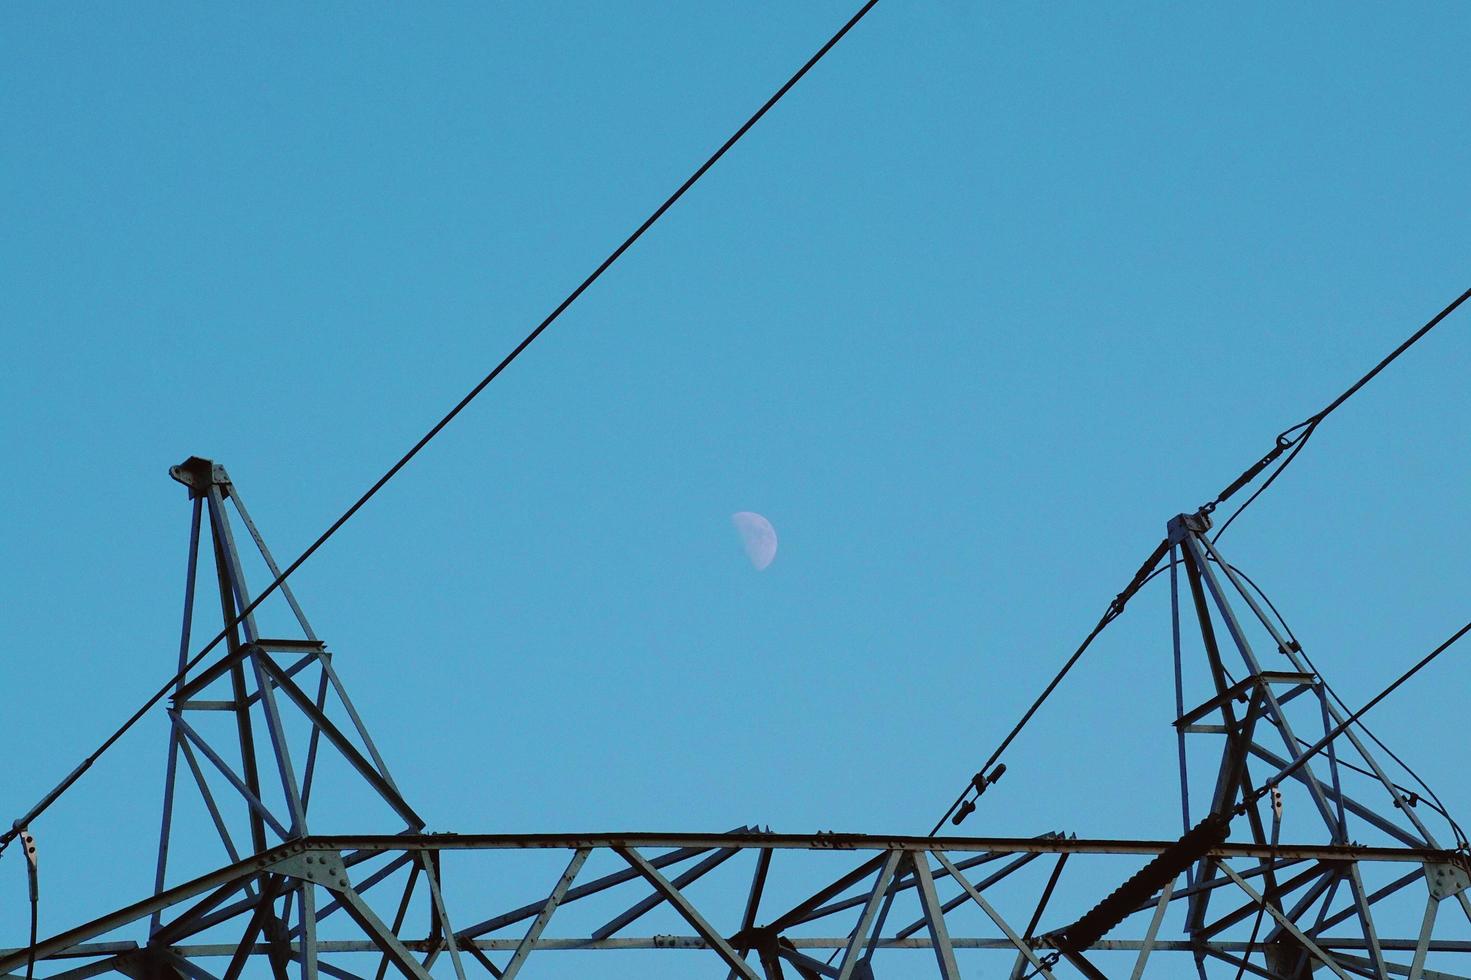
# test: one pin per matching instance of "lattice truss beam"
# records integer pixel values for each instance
(1355, 888)
(377, 906)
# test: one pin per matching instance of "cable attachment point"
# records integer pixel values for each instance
(28, 843)
(980, 782)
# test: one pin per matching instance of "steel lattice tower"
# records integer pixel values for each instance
(1356, 890)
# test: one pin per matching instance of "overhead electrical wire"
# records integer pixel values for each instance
(1431, 798)
(1296, 437)
(1343, 726)
(434, 430)
(1290, 441)
(985, 776)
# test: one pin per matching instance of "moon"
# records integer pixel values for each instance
(758, 537)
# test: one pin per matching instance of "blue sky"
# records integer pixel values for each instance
(996, 291)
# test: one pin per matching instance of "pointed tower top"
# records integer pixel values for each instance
(199, 474)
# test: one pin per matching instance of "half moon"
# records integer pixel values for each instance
(758, 537)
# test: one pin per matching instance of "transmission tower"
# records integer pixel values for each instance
(1335, 871)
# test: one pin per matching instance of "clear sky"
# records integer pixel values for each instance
(998, 290)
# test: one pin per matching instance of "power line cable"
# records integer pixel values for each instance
(1432, 798)
(1343, 726)
(1295, 439)
(403, 461)
(964, 804)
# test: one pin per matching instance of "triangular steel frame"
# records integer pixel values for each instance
(1263, 716)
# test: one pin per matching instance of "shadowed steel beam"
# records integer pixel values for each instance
(1328, 706)
(1361, 900)
(1021, 944)
(1395, 969)
(362, 886)
(1352, 805)
(692, 942)
(275, 730)
(1218, 883)
(685, 878)
(234, 876)
(441, 912)
(314, 743)
(260, 544)
(1286, 923)
(870, 909)
(250, 798)
(559, 892)
(753, 903)
(959, 900)
(682, 905)
(172, 766)
(581, 891)
(803, 911)
(308, 916)
(806, 965)
(934, 917)
(1278, 716)
(1046, 896)
(339, 740)
(254, 926)
(860, 842)
(382, 936)
(1249, 908)
(208, 797)
(403, 911)
(1153, 930)
(191, 920)
(1422, 948)
(1389, 889)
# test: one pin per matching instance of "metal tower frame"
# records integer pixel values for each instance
(1256, 904)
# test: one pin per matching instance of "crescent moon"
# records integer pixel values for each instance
(757, 536)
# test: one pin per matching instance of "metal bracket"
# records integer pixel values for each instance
(321, 867)
(1445, 880)
(1181, 525)
(199, 474)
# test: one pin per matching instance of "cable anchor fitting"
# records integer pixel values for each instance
(980, 782)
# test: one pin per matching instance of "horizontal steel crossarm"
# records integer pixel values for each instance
(221, 667)
(573, 943)
(874, 843)
(1238, 690)
(241, 871)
